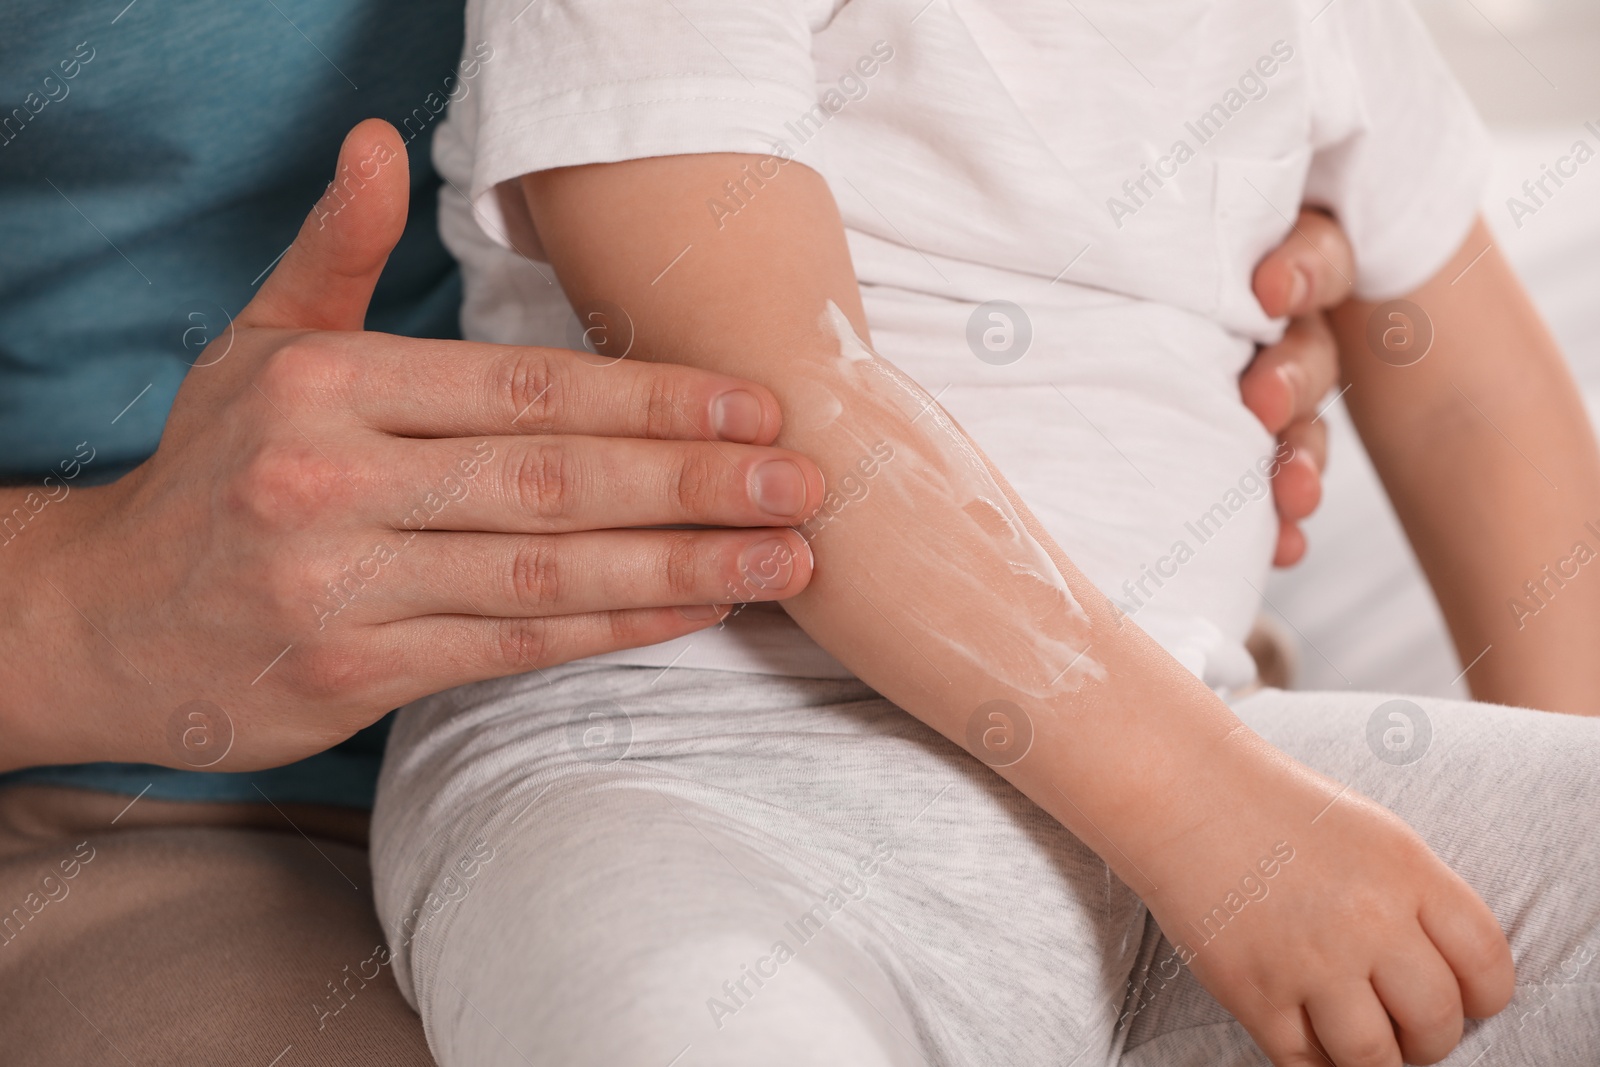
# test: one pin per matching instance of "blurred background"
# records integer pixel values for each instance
(1523, 61)
(1358, 610)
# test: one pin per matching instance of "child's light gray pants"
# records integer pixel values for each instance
(620, 867)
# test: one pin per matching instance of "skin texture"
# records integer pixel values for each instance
(1487, 453)
(1365, 925)
(299, 444)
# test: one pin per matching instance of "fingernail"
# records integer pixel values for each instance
(736, 416)
(700, 612)
(778, 488)
(1299, 289)
(767, 564)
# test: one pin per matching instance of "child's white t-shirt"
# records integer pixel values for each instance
(1115, 169)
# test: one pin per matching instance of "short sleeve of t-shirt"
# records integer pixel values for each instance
(1400, 155)
(568, 82)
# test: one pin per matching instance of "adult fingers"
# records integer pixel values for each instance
(325, 279)
(443, 651)
(1353, 1027)
(1313, 269)
(427, 388)
(557, 484)
(510, 576)
(1286, 381)
(1420, 993)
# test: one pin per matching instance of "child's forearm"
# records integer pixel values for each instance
(932, 582)
(1488, 456)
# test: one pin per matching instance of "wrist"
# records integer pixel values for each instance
(26, 632)
(1145, 788)
(1245, 800)
(48, 672)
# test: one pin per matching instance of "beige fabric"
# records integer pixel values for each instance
(191, 933)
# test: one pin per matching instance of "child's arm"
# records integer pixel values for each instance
(936, 586)
(1488, 456)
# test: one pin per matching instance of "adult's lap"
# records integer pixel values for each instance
(194, 933)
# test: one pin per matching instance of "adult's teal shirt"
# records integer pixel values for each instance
(156, 157)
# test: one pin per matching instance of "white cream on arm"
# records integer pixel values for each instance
(998, 602)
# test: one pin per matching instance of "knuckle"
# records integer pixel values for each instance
(528, 385)
(283, 485)
(628, 629)
(540, 480)
(1287, 1051)
(659, 405)
(1408, 846)
(1316, 443)
(698, 481)
(332, 671)
(1292, 368)
(680, 567)
(1371, 1049)
(520, 643)
(1315, 225)
(1330, 241)
(298, 370)
(1483, 947)
(1437, 1016)
(535, 577)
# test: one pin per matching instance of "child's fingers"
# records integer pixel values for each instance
(1324, 254)
(1353, 1027)
(1313, 269)
(1283, 1032)
(1309, 441)
(1287, 381)
(1421, 994)
(1291, 544)
(1469, 938)
(1297, 485)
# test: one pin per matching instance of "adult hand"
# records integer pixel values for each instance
(338, 521)
(1309, 273)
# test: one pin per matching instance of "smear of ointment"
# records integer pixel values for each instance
(1002, 603)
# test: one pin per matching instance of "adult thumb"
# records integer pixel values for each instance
(325, 279)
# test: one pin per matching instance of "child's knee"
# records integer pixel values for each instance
(602, 962)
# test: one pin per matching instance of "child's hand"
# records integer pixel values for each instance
(1316, 921)
(1285, 383)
